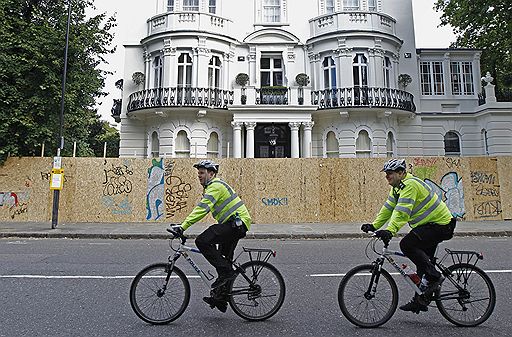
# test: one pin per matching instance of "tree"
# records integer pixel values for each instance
(486, 25)
(32, 40)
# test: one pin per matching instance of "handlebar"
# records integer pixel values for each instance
(177, 233)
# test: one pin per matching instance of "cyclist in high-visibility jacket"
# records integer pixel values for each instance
(233, 220)
(412, 201)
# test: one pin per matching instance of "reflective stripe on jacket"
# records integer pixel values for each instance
(413, 202)
(220, 199)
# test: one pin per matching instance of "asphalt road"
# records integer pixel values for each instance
(62, 287)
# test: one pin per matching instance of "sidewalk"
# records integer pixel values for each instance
(154, 230)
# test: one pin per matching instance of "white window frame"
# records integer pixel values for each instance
(362, 70)
(332, 153)
(213, 153)
(364, 153)
(214, 72)
(330, 70)
(181, 153)
(386, 69)
(184, 65)
(456, 154)
(158, 71)
(212, 6)
(170, 5)
(462, 78)
(372, 5)
(261, 18)
(155, 145)
(330, 6)
(432, 78)
(190, 6)
(390, 145)
(351, 5)
(272, 70)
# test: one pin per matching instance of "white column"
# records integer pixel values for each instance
(307, 139)
(249, 152)
(237, 139)
(294, 127)
(147, 67)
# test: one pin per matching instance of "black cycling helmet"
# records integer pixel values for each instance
(394, 165)
(207, 164)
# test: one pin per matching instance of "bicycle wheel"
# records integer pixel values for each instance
(467, 297)
(260, 298)
(363, 306)
(158, 298)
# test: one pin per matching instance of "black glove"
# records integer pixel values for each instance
(176, 231)
(384, 235)
(367, 227)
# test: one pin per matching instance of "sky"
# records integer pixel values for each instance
(426, 21)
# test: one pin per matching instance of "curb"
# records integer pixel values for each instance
(276, 236)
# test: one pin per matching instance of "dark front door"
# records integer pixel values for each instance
(272, 141)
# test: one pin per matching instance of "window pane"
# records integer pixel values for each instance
(265, 63)
(277, 63)
(212, 6)
(265, 78)
(451, 143)
(155, 145)
(278, 78)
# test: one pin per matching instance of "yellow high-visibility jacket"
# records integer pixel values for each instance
(220, 199)
(412, 202)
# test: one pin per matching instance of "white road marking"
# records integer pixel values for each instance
(341, 275)
(79, 276)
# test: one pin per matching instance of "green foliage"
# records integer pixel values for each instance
(486, 25)
(242, 79)
(404, 80)
(32, 42)
(302, 79)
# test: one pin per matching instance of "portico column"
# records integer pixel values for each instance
(249, 151)
(307, 139)
(294, 127)
(237, 139)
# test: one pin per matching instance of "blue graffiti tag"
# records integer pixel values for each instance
(275, 201)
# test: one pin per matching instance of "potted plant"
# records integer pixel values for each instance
(138, 78)
(404, 80)
(302, 80)
(242, 79)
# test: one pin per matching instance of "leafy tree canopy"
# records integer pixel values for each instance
(32, 43)
(486, 25)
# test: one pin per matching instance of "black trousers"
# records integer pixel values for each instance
(420, 245)
(225, 235)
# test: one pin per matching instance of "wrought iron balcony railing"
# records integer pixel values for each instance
(180, 97)
(272, 95)
(363, 97)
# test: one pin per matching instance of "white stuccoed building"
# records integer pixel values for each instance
(186, 101)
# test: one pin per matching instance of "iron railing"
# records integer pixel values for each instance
(363, 97)
(180, 97)
(272, 95)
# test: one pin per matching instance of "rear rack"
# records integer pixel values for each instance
(462, 256)
(257, 254)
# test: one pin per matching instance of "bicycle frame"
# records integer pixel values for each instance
(182, 251)
(387, 255)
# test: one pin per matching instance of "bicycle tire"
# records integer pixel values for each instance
(359, 309)
(151, 304)
(472, 306)
(262, 299)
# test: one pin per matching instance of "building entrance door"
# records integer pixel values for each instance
(272, 141)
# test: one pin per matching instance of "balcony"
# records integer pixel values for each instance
(352, 21)
(363, 97)
(180, 97)
(272, 96)
(195, 21)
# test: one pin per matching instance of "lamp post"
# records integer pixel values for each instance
(56, 192)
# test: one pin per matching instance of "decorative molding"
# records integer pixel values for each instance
(308, 125)
(250, 125)
(344, 114)
(237, 125)
(294, 125)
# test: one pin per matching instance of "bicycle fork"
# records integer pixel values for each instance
(161, 292)
(374, 281)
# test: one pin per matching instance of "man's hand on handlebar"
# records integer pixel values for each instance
(367, 227)
(176, 231)
(384, 235)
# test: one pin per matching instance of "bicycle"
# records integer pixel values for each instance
(160, 292)
(368, 294)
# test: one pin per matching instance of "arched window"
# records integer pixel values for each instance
(155, 145)
(184, 70)
(360, 70)
(451, 144)
(386, 66)
(332, 148)
(329, 67)
(214, 72)
(158, 68)
(485, 142)
(182, 148)
(363, 145)
(213, 146)
(390, 145)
